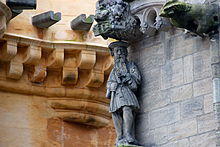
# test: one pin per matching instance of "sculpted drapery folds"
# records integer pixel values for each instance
(121, 87)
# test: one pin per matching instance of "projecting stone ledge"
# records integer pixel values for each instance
(81, 23)
(45, 20)
(71, 75)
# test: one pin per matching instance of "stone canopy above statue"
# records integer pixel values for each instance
(114, 20)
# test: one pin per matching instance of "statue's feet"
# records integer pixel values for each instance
(120, 142)
(129, 139)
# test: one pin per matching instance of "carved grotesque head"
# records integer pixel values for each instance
(174, 8)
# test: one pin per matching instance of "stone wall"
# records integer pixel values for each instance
(176, 92)
(52, 81)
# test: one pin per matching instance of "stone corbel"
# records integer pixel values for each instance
(56, 58)
(96, 78)
(38, 73)
(8, 50)
(70, 70)
(87, 59)
(34, 54)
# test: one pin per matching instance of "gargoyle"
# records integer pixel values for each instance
(114, 20)
(198, 18)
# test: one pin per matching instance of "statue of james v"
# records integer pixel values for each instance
(121, 87)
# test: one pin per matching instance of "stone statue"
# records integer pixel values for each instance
(121, 87)
(115, 20)
(201, 19)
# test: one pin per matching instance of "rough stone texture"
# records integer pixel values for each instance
(192, 108)
(23, 120)
(175, 97)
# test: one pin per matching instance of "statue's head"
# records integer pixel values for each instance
(174, 8)
(119, 49)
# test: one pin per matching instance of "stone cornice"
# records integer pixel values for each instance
(71, 75)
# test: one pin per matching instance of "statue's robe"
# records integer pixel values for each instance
(123, 92)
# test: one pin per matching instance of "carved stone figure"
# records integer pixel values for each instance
(121, 87)
(115, 20)
(198, 18)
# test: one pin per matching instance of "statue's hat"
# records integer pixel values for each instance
(118, 44)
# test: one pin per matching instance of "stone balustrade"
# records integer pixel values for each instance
(71, 75)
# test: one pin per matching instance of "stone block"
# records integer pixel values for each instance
(203, 140)
(192, 107)
(202, 65)
(154, 100)
(150, 80)
(188, 69)
(172, 74)
(164, 116)
(206, 123)
(160, 135)
(179, 143)
(181, 93)
(183, 46)
(208, 103)
(153, 137)
(169, 49)
(202, 87)
(152, 57)
(182, 129)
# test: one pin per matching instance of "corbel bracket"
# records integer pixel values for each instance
(81, 23)
(45, 20)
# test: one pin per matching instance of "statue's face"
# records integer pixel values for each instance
(120, 53)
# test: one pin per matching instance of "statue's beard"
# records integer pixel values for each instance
(121, 68)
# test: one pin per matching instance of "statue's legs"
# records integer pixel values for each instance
(128, 119)
(117, 119)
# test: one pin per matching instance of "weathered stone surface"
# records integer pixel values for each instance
(153, 137)
(192, 107)
(183, 46)
(181, 93)
(202, 87)
(208, 103)
(182, 129)
(206, 123)
(152, 57)
(203, 140)
(188, 69)
(179, 143)
(169, 115)
(202, 65)
(172, 74)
